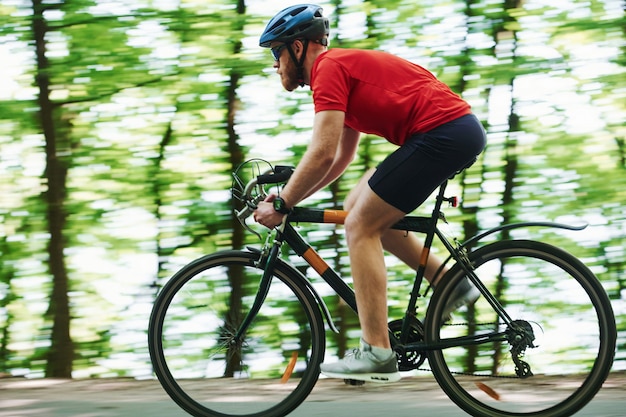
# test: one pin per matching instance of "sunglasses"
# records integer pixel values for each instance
(276, 51)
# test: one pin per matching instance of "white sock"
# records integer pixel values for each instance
(382, 354)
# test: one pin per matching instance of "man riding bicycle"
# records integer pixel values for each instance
(372, 92)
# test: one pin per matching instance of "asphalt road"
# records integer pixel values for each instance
(130, 398)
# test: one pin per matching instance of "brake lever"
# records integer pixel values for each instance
(252, 193)
(250, 206)
(242, 215)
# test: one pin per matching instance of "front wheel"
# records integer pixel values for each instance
(205, 369)
(563, 334)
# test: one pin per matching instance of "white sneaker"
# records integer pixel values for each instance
(362, 365)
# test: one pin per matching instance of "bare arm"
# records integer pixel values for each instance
(331, 150)
(343, 157)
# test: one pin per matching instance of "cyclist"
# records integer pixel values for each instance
(359, 91)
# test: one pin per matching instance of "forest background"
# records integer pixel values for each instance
(121, 122)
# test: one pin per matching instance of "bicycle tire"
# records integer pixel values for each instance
(546, 287)
(190, 332)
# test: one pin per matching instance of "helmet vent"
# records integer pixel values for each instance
(298, 10)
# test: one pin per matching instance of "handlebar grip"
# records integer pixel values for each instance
(281, 174)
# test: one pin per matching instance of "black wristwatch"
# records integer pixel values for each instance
(280, 206)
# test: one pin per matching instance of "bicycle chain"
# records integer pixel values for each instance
(474, 324)
(469, 373)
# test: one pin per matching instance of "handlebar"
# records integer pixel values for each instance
(280, 174)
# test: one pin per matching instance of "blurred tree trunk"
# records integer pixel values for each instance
(470, 186)
(7, 273)
(157, 191)
(469, 208)
(506, 42)
(61, 353)
(235, 151)
(236, 277)
(505, 47)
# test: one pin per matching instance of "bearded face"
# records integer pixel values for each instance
(286, 68)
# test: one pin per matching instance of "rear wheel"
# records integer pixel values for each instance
(208, 373)
(558, 351)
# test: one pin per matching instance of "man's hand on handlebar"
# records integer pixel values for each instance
(265, 213)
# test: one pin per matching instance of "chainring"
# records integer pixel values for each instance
(413, 359)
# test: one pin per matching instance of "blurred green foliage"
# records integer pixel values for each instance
(156, 103)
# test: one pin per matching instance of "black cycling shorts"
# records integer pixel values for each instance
(407, 177)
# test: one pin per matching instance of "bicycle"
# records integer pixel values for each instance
(242, 332)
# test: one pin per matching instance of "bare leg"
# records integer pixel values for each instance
(406, 247)
(368, 232)
(368, 219)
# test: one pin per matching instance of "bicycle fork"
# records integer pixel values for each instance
(264, 285)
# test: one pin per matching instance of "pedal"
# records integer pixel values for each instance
(353, 382)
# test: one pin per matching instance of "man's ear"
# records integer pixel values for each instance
(298, 47)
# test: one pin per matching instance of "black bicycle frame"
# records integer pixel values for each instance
(421, 224)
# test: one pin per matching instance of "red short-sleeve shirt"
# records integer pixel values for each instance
(382, 94)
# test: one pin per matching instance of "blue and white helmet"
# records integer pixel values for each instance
(302, 21)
